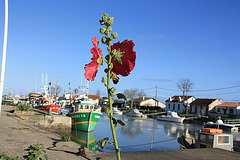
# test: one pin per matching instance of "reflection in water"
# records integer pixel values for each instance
(143, 134)
(87, 139)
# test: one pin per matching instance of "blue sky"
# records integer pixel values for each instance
(195, 39)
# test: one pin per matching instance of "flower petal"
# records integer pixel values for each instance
(92, 68)
(128, 59)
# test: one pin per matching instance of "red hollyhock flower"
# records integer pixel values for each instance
(128, 59)
(91, 69)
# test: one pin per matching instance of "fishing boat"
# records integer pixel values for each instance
(208, 138)
(134, 113)
(171, 116)
(87, 139)
(220, 125)
(85, 115)
(116, 111)
(47, 104)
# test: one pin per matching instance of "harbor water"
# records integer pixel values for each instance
(140, 134)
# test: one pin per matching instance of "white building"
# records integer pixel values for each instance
(179, 103)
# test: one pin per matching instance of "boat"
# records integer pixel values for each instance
(220, 125)
(134, 113)
(85, 115)
(208, 138)
(171, 116)
(116, 111)
(47, 104)
(86, 139)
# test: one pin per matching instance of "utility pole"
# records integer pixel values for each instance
(4, 53)
(156, 97)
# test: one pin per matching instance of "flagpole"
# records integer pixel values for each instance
(4, 53)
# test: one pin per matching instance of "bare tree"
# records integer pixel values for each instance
(185, 85)
(132, 94)
(58, 90)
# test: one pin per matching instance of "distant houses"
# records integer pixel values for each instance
(179, 104)
(227, 109)
(203, 106)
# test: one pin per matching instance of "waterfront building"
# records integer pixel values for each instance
(179, 104)
(227, 109)
(203, 107)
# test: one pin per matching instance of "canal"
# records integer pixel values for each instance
(140, 134)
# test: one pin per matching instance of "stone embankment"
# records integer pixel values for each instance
(17, 132)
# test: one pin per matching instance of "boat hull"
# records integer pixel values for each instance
(54, 108)
(85, 120)
(87, 139)
(170, 119)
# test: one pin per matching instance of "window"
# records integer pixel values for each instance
(178, 106)
(218, 110)
(168, 106)
(231, 111)
(223, 139)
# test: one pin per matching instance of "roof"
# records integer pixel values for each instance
(143, 99)
(175, 98)
(228, 104)
(94, 97)
(203, 101)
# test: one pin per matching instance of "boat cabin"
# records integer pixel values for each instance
(213, 138)
(84, 105)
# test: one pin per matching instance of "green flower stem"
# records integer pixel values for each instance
(110, 106)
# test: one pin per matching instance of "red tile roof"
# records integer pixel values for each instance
(228, 104)
(94, 97)
(203, 101)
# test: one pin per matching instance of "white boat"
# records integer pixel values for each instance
(171, 116)
(220, 125)
(116, 111)
(134, 113)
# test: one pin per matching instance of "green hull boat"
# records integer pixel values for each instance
(85, 117)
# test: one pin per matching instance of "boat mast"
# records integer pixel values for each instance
(4, 53)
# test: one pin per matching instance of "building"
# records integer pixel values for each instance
(147, 102)
(95, 98)
(203, 106)
(227, 109)
(179, 103)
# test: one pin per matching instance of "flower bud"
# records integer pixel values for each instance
(105, 17)
(110, 21)
(114, 35)
(102, 30)
(104, 40)
(109, 29)
(102, 22)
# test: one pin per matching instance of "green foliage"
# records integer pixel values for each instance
(23, 107)
(121, 96)
(5, 157)
(35, 151)
(103, 142)
(65, 138)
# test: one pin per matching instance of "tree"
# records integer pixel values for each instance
(58, 90)
(185, 85)
(133, 94)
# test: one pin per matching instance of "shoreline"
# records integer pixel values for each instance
(16, 134)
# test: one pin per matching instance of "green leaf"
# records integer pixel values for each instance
(114, 120)
(121, 122)
(102, 142)
(121, 96)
